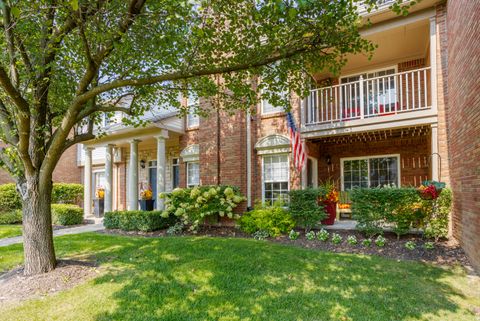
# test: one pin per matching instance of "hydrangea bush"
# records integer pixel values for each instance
(195, 205)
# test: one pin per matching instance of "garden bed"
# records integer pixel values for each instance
(15, 287)
(446, 252)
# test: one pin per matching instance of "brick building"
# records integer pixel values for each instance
(381, 121)
(463, 25)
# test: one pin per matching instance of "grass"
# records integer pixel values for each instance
(200, 278)
(10, 231)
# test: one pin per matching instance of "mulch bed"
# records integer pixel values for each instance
(15, 287)
(445, 252)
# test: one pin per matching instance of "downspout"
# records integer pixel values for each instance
(249, 161)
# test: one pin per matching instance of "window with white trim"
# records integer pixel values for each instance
(193, 174)
(275, 177)
(369, 172)
(193, 120)
(269, 108)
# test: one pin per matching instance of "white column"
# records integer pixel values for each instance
(87, 182)
(161, 167)
(433, 61)
(435, 156)
(109, 178)
(133, 176)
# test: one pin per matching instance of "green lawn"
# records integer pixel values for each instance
(198, 278)
(10, 230)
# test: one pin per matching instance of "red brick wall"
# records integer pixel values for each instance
(66, 170)
(464, 122)
(414, 156)
(442, 90)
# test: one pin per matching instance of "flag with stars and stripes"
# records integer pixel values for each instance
(298, 149)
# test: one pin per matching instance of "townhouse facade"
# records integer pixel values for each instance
(380, 122)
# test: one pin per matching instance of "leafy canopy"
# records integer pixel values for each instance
(65, 63)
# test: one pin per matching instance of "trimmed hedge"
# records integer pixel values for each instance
(63, 193)
(401, 209)
(66, 214)
(9, 198)
(304, 207)
(12, 217)
(145, 221)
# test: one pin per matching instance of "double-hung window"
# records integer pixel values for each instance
(175, 173)
(369, 172)
(193, 174)
(275, 177)
(193, 120)
(269, 108)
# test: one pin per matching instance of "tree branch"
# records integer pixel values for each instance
(8, 27)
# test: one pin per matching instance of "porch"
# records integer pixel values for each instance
(128, 160)
(396, 88)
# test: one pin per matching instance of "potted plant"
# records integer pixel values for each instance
(146, 202)
(99, 201)
(430, 190)
(329, 201)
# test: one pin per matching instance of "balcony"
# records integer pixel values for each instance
(388, 101)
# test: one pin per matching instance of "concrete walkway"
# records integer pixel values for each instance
(64, 231)
(342, 225)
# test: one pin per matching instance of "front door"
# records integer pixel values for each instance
(152, 178)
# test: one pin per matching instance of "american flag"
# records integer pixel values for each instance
(298, 149)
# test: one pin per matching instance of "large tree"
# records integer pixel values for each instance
(65, 62)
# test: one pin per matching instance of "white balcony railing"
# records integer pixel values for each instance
(366, 98)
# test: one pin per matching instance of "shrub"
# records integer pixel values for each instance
(380, 241)
(293, 235)
(63, 193)
(310, 235)
(9, 198)
(367, 242)
(11, 217)
(352, 240)
(175, 229)
(195, 205)
(66, 214)
(336, 238)
(375, 207)
(436, 226)
(304, 207)
(260, 235)
(428, 245)
(410, 245)
(274, 219)
(144, 221)
(323, 235)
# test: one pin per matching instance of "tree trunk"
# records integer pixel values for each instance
(39, 252)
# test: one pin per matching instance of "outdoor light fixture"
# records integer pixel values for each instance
(142, 163)
(328, 159)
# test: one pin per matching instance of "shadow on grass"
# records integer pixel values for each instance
(237, 279)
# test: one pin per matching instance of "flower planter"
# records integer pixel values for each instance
(98, 207)
(331, 210)
(146, 205)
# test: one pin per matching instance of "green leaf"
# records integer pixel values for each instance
(15, 12)
(74, 4)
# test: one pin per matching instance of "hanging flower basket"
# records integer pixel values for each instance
(430, 190)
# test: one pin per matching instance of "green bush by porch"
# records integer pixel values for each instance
(273, 219)
(145, 221)
(401, 209)
(304, 207)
